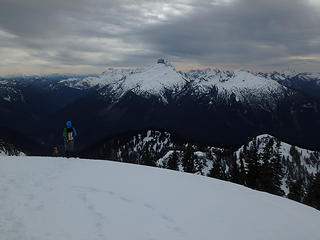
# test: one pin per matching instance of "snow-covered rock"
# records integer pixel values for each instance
(7, 149)
(73, 199)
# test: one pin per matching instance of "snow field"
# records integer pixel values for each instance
(67, 199)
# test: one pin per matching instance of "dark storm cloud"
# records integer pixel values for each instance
(240, 33)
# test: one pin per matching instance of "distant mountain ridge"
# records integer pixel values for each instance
(213, 106)
(308, 83)
(161, 78)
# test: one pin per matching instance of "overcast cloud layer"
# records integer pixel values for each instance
(43, 36)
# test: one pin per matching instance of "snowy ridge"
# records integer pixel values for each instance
(152, 81)
(154, 140)
(109, 76)
(9, 150)
(297, 163)
(49, 198)
(10, 92)
(159, 146)
(156, 79)
(289, 74)
(155, 148)
(243, 85)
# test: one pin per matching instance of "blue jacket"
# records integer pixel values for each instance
(69, 125)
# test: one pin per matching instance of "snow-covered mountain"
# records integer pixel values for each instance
(289, 74)
(49, 198)
(109, 76)
(297, 163)
(156, 148)
(154, 81)
(241, 85)
(10, 91)
(207, 105)
(160, 78)
(308, 83)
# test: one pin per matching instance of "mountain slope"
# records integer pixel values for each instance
(49, 198)
(206, 105)
(308, 83)
(244, 86)
(7, 149)
(156, 148)
(212, 106)
(161, 77)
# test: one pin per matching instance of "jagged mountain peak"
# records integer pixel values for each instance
(242, 85)
(154, 80)
(289, 72)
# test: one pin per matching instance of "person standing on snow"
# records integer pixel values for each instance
(68, 134)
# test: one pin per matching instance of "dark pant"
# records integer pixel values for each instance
(68, 148)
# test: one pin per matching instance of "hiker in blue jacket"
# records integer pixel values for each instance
(69, 133)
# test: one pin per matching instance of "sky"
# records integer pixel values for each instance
(88, 36)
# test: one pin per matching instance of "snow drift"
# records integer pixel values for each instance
(73, 199)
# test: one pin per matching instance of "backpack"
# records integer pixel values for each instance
(68, 134)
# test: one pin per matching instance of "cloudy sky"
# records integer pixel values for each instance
(77, 36)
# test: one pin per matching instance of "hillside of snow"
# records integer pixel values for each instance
(74, 199)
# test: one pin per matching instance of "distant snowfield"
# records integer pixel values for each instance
(72, 199)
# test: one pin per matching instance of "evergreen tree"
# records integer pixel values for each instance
(277, 173)
(268, 150)
(296, 190)
(295, 155)
(266, 168)
(313, 193)
(217, 171)
(188, 160)
(147, 159)
(199, 165)
(266, 176)
(253, 167)
(173, 161)
(242, 179)
(235, 171)
(271, 169)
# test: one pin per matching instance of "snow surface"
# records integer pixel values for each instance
(46, 198)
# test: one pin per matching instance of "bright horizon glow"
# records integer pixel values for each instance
(75, 70)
